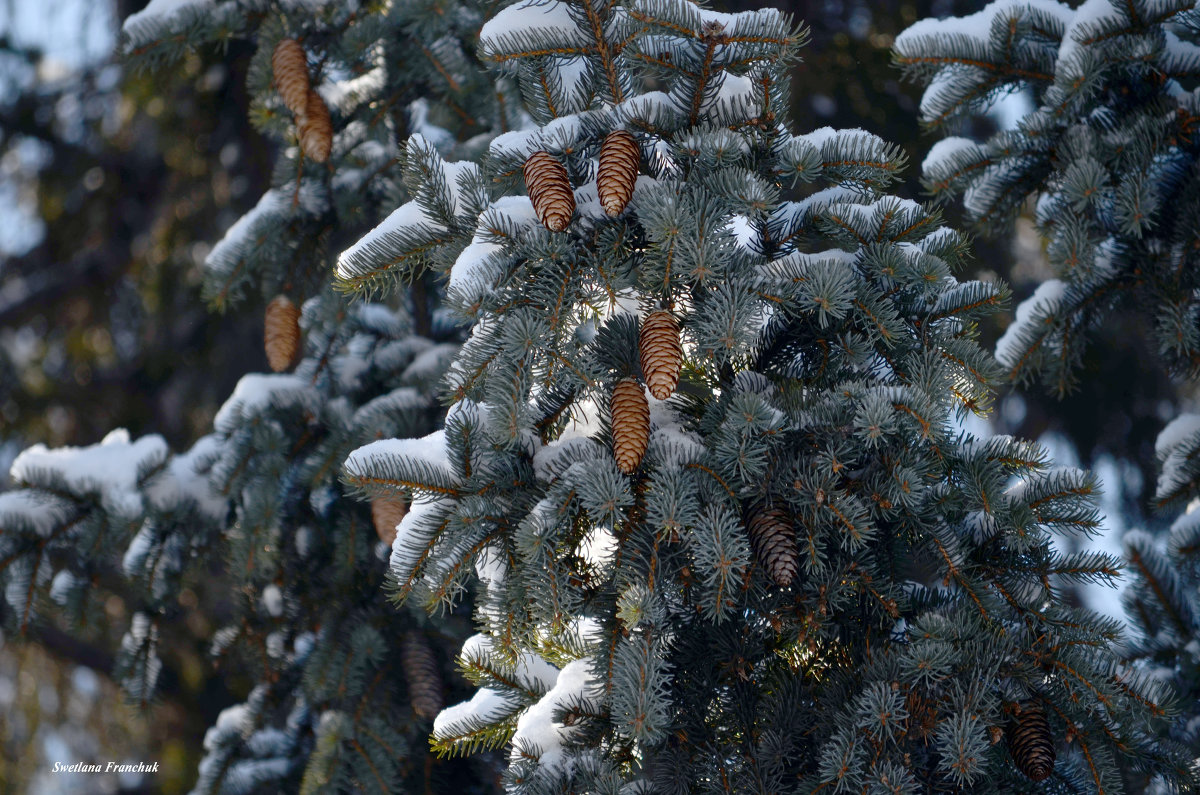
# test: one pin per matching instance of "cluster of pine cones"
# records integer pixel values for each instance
(771, 531)
(661, 355)
(315, 130)
(550, 189)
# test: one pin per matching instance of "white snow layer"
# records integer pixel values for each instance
(40, 511)
(348, 94)
(256, 392)
(537, 728)
(182, 481)
(549, 21)
(108, 470)
(275, 202)
(1082, 23)
(145, 24)
(943, 151)
(1176, 432)
(1034, 309)
(486, 706)
(1172, 449)
(430, 450)
(410, 217)
(599, 548)
(978, 25)
(408, 547)
(476, 269)
(532, 671)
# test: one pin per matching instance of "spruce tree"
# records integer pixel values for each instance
(1110, 154)
(791, 574)
(345, 685)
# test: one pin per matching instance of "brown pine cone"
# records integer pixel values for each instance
(316, 129)
(661, 353)
(550, 190)
(386, 513)
(774, 540)
(281, 333)
(290, 66)
(1031, 743)
(617, 175)
(422, 675)
(630, 424)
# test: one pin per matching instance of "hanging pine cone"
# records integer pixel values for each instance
(660, 352)
(1031, 743)
(421, 673)
(290, 66)
(281, 333)
(774, 540)
(619, 157)
(550, 190)
(386, 513)
(630, 424)
(316, 129)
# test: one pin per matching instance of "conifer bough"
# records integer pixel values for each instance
(549, 190)
(1031, 742)
(290, 66)
(630, 424)
(281, 333)
(660, 353)
(618, 171)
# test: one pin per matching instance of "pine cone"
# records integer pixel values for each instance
(316, 129)
(619, 158)
(549, 190)
(281, 333)
(774, 540)
(661, 353)
(386, 513)
(290, 66)
(630, 424)
(1031, 743)
(421, 672)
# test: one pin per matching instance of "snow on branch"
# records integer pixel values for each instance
(1033, 320)
(537, 727)
(394, 466)
(533, 27)
(185, 481)
(113, 471)
(413, 232)
(161, 17)
(1176, 448)
(256, 393)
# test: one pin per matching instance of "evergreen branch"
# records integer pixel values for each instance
(362, 752)
(607, 61)
(1135, 557)
(1001, 70)
(397, 485)
(710, 45)
(542, 52)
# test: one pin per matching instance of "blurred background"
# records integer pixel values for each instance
(113, 187)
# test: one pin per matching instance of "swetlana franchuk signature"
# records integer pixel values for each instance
(106, 767)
